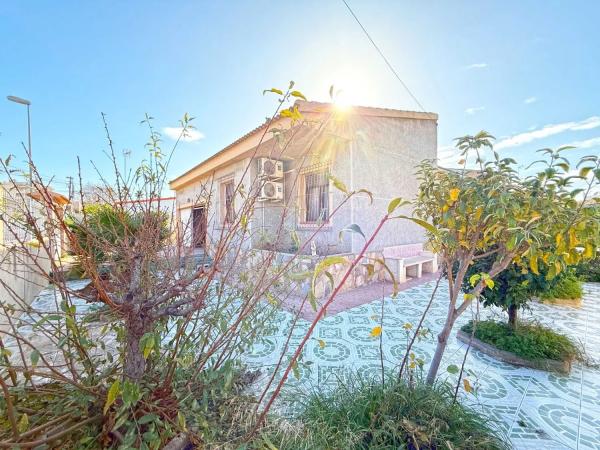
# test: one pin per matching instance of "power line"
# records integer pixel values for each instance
(383, 56)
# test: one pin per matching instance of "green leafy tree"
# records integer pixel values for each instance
(513, 288)
(495, 212)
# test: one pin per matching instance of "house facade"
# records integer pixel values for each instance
(291, 164)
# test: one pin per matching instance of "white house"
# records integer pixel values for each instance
(368, 148)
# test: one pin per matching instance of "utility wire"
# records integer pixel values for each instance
(383, 56)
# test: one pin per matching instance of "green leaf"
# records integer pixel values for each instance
(181, 420)
(391, 274)
(147, 343)
(395, 204)
(324, 264)
(295, 238)
(352, 228)
(268, 444)
(429, 227)
(298, 276)
(35, 357)
(113, 392)
(452, 368)
(23, 423)
(338, 184)
(147, 419)
(312, 300)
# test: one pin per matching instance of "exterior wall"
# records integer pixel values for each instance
(384, 159)
(22, 272)
(21, 277)
(268, 218)
(206, 192)
(376, 153)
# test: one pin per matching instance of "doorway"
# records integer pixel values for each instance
(199, 224)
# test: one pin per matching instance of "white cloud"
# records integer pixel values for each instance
(530, 100)
(474, 110)
(448, 156)
(191, 135)
(587, 143)
(548, 130)
(476, 66)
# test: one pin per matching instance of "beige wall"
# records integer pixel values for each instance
(379, 154)
(21, 277)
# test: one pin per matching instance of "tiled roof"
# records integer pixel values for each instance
(318, 108)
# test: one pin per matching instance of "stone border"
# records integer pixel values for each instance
(563, 367)
(571, 302)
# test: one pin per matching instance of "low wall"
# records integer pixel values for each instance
(306, 263)
(21, 277)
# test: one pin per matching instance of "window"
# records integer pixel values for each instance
(316, 196)
(227, 202)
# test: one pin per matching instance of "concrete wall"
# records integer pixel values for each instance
(21, 277)
(376, 153)
(206, 192)
(383, 160)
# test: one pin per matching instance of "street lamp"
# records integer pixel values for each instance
(27, 103)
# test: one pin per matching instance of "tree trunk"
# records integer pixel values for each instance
(512, 316)
(439, 350)
(135, 363)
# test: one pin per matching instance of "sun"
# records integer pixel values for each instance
(350, 87)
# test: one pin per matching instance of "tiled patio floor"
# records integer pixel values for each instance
(533, 408)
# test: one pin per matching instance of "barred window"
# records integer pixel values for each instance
(316, 196)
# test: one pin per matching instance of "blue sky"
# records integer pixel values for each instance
(526, 71)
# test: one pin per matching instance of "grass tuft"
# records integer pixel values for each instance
(363, 414)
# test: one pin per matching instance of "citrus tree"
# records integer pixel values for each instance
(513, 288)
(495, 212)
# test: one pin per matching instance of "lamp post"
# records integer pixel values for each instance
(27, 103)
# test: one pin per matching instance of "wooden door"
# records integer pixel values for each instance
(199, 224)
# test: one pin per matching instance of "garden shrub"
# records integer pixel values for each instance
(567, 286)
(530, 341)
(589, 270)
(364, 414)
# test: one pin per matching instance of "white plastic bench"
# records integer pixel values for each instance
(409, 260)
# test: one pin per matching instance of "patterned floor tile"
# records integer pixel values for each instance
(533, 408)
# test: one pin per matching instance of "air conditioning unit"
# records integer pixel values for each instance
(271, 190)
(270, 168)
